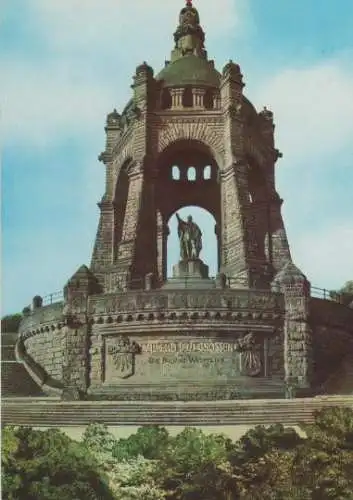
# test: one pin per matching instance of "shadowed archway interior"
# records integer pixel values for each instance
(187, 177)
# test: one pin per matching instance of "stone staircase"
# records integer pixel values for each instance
(15, 380)
(45, 412)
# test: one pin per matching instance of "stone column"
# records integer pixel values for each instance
(76, 361)
(298, 356)
(103, 248)
(218, 236)
(198, 98)
(162, 242)
(235, 246)
(177, 98)
(278, 242)
(216, 101)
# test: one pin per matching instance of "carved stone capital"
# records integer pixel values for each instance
(105, 157)
(106, 205)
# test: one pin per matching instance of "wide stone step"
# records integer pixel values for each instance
(126, 419)
(37, 413)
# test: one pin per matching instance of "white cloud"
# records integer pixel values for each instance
(44, 104)
(313, 108)
(325, 255)
(42, 265)
(92, 48)
(122, 25)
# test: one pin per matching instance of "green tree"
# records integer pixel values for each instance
(195, 466)
(262, 460)
(11, 323)
(345, 294)
(274, 464)
(261, 440)
(324, 463)
(97, 438)
(149, 441)
(134, 478)
(46, 465)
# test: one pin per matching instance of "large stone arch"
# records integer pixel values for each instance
(172, 195)
(123, 167)
(182, 193)
(207, 132)
(123, 155)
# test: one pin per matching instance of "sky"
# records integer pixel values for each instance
(65, 64)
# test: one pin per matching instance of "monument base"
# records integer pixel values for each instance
(190, 269)
(190, 274)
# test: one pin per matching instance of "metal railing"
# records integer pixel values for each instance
(53, 298)
(139, 284)
(323, 293)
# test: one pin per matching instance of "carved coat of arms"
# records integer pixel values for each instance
(123, 354)
(251, 359)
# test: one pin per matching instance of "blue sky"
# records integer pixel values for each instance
(66, 64)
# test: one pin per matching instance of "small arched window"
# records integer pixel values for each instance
(208, 99)
(175, 173)
(191, 174)
(166, 99)
(207, 172)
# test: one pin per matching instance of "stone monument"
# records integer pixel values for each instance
(124, 329)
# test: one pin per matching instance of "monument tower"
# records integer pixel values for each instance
(124, 329)
(189, 116)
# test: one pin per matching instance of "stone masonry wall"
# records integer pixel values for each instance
(330, 347)
(47, 350)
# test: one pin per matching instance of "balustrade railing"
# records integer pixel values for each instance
(53, 298)
(139, 284)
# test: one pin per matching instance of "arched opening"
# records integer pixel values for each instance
(166, 99)
(187, 98)
(175, 173)
(208, 99)
(191, 175)
(206, 222)
(170, 195)
(207, 173)
(120, 201)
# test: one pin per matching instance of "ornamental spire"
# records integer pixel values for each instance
(189, 37)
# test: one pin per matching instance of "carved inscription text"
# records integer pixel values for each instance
(165, 347)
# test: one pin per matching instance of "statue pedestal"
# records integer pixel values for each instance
(190, 274)
(190, 269)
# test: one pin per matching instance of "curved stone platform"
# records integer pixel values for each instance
(159, 344)
(179, 345)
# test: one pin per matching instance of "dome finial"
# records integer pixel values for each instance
(189, 37)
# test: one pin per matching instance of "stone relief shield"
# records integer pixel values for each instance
(251, 357)
(123, 354)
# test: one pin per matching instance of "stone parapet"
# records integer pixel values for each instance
(42, 319)
(188, 299)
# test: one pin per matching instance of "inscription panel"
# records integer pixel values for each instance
(192, 359)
